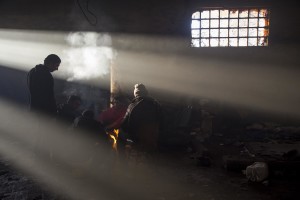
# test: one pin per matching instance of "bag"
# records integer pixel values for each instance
(257, 172)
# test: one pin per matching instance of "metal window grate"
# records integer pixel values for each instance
(230, 27)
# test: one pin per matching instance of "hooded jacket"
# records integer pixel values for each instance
(41, 88)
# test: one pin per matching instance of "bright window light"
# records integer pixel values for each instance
(230, 27)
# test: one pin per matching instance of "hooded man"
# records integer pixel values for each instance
(41, 85)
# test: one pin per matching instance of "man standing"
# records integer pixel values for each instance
(42, 101)
(41, 85)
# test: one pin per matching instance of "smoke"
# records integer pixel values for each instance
(89, 55)
(83, 166)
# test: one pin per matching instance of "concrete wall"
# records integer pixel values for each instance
(168, 17)
(163, 27)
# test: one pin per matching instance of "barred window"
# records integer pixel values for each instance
(230, 27)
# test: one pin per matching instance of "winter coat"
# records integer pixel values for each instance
(143, 121)
(41, 88)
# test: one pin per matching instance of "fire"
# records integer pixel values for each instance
(114, 137)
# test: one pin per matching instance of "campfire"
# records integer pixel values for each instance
(114, 137)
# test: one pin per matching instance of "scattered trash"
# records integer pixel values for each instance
(257, 172)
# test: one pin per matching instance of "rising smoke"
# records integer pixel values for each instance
(89, 55)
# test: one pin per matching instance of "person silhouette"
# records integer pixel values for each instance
(41, 85)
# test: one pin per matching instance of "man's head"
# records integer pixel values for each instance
(74, 101)
(140, 90)
(52, 61)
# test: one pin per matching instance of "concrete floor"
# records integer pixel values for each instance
(189, 181)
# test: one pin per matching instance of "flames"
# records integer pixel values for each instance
(114, 136)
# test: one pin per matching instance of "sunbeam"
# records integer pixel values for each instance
(29, 144)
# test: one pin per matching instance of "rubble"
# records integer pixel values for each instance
(14, 185)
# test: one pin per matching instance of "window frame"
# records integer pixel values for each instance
(261, 38)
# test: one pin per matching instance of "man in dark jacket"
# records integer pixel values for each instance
(143, 120)
(41, 85)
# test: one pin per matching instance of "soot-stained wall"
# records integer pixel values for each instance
(168, 17)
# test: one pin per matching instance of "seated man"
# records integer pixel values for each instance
(86, 122)
(143, 120)
(95, 144)
(67, 112)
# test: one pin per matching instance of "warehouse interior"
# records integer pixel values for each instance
(228, 106)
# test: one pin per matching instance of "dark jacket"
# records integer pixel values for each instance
(66, 113)
(41, 87)
(87, 124)
(91, 127)
(142, 112)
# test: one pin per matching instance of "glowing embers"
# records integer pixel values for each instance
(230, 27)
